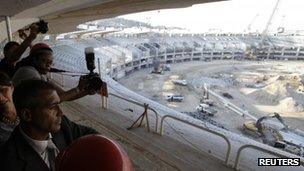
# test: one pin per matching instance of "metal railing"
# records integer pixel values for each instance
(259, 149)
(199, 127)
(139, 104)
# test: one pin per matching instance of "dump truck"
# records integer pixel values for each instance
(207, 101)
(204, 108)
(174, 98)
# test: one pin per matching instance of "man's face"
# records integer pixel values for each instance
(7, 92)
(46, 117)
(44, 62)
(6, 102)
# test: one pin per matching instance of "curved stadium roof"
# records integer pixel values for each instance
(64, 16)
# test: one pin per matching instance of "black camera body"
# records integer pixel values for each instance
(42, 26)
(94, 81)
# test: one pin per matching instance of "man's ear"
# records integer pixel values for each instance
(26, 115)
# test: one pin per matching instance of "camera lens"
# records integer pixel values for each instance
(43, 26)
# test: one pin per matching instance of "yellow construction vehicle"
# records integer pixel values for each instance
(274, 135)
(260, 129)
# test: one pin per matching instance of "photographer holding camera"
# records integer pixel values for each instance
(39, 64)
(13, 51)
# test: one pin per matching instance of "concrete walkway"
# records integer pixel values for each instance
(147, 150)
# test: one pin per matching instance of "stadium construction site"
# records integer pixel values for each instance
(232, 95)
(193, 79)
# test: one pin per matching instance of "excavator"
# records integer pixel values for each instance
(279, 136)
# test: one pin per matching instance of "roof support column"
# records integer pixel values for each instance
(8, 28)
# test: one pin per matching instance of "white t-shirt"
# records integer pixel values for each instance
(27, 73)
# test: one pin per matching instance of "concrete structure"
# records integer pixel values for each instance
(64, 16)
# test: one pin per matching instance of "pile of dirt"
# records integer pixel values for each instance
(291, 105)
(262, 97)
(281, 85)
(213, 82)
(277, 89)
(293, 80)
(261, 79)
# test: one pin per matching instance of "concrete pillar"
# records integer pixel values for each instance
(8, 28)
(192, 52)
(202, 53)
(298, 51)
(99, 70)
(283, 51)
(211, 55)
(166, 54)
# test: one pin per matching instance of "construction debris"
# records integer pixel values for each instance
(227, 95)
(201, 117)
(180, 82)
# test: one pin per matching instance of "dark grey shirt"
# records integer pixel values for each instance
(5, 131)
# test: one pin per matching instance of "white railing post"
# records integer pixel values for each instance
(51, 75)
(98, 62)
(8, 28)
(104, 102)
(104, 95)
(62, 80)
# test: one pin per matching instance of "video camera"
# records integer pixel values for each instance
(94, 81)
(42, 26)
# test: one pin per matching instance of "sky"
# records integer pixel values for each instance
(235, 16)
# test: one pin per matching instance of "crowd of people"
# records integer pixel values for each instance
(33, 128)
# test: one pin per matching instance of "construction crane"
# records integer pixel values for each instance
(251, 22)
(263, 43)
(265, 31)
(249, 47)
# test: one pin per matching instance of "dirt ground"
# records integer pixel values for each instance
(259, 87)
